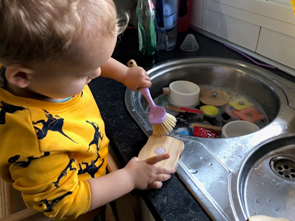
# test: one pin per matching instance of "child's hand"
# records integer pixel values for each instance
(144, 175)
(136, 78)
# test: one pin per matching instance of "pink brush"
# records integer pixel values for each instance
(157, 114)
(158, 117)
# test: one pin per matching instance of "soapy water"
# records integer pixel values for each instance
(184, 120)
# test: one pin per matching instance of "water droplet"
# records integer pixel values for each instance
(210, 164)
(201, 158)
(274, 181)
(268, 199)
(258, 200)
(256, 167)
(194, 171)
(262, 183)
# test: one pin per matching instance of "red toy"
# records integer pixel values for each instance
(202, 132)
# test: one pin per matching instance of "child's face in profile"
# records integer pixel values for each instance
(66, 80)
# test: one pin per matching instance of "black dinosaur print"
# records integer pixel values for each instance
(51, 203)
(8, 108)
(97, 135)
(25, 163)
(52, 124)
(64, 172)
(91, 168)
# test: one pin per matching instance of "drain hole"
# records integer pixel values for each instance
(283, 167)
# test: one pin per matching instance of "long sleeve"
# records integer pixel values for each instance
(49, 154)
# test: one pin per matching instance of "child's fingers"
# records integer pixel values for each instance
(155, 185)
(155, 159)
(158, 182)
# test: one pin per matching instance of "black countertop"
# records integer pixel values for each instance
(173, 202)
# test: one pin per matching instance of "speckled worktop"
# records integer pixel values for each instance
(173, 202)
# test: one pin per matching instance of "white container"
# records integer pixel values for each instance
(238, 128)
(184, 93)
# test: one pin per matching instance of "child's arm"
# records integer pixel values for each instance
(136, 174)
(133, 78)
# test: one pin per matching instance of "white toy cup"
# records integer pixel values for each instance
(238, 128)
(184, 93)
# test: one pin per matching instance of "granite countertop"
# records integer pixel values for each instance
(173, 202)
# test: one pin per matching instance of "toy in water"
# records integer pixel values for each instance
(240, 103)
(214, 97)
(209, 110)
(213, 128)
(229, 110)
(202, 132)
(184, 131)
(184, 109)
(249, 114)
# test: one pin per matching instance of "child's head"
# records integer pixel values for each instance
(59, 36)
(42, 30)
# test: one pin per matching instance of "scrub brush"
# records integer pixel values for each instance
(162, 121)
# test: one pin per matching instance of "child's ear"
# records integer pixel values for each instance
(18, 75)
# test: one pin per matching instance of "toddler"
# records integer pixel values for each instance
(53, 144)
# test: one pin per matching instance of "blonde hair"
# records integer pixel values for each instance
(41, 30)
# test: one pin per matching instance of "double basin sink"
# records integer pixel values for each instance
(234, 178)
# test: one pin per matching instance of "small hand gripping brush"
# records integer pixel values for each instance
(162, 121)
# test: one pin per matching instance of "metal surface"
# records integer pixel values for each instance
(222, 173)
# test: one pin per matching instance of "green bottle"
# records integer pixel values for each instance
(146, 31)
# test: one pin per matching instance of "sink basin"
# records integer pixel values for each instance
(219, 172)
(266, 182)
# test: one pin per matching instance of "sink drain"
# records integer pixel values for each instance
(283, 167)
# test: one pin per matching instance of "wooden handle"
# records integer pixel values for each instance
(131, 63)
(174, 108)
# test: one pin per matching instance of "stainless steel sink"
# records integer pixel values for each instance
(266, 182)
(222, 173)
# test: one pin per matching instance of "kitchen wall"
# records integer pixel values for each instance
(264, 28)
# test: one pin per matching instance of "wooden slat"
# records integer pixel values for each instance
(112, 166)
(20, 215)
(5, 199)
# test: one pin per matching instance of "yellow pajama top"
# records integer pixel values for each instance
(48, 151)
